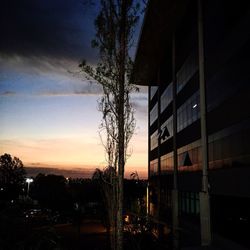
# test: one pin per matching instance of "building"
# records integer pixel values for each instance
(183, 46)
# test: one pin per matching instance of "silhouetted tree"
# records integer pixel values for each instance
(12, 175)
(134, 195)
(106, 183)
(115, 24)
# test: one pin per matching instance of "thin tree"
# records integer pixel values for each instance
(115, 25)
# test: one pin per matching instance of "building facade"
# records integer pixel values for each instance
(169, 60)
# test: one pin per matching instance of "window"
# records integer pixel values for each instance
(153, 167)
(229, 147)
(189, 203)
(153, 90)
(189, 157)
(188, 112)
(154, 114)
(188, 69)
(154, 140)
(166, 97)
(167, 163)
(167, 129)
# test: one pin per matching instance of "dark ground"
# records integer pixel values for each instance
(91, 236)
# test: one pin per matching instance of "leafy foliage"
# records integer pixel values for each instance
(114, 26)
(108, 73)
(12, 175)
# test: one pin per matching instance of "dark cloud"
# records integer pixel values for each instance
(46, 38)
(58, 28)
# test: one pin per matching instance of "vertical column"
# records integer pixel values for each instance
(204, 194)
(159, 122)
(147, 204)
(159, 154)
(149, 146)
(175, 196)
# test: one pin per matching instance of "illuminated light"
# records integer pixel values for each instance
(243, 219)
(195, 105)
(1, 189)
(29, 180)
(126, 219)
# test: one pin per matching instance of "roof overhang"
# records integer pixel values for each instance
(160, 21)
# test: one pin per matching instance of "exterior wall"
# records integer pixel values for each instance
(227, 76)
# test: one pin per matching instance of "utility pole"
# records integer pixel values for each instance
(204, 194)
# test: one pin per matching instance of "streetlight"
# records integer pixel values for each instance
(28, 180)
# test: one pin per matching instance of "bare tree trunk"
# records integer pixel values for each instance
(121, 161)
(114, 214)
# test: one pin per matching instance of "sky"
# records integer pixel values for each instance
(49, 117)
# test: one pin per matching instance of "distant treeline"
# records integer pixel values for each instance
(68, 173)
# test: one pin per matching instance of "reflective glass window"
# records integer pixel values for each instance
(153, 90)
(188, 69)
(188, 112)
(166, 97)
(167, 129)
(167, 163)
(154, 140)
(154, 114)
(153, 167)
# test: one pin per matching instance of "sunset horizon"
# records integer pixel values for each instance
(84, 172)
(49, 108)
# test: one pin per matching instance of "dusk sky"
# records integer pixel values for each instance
(49, 115)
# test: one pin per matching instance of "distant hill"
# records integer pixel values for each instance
(73, 173)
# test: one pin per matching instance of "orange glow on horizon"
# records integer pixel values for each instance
(73, 153)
